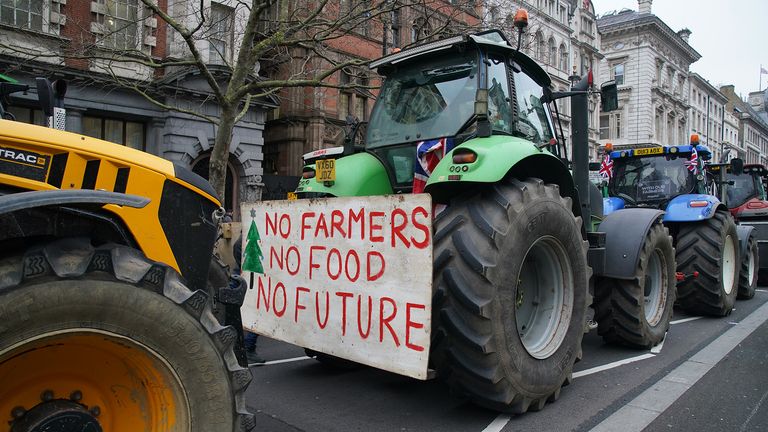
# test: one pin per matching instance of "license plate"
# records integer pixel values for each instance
(325, 170)
(292, 195)
(648, 151)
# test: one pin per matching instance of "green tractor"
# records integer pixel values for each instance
(519, 240)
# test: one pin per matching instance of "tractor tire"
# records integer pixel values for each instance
(710, 248)
(510, 295)
(104, 335)
(637, 312)
(749, 270)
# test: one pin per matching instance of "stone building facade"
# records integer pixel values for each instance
(121, 115)
(706, 115)
(650, 63)
(753, 128)
(561, 36)
(731, 124)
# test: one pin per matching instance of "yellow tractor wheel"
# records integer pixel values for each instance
(101, 339)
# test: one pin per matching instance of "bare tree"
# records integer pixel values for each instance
(293, 43)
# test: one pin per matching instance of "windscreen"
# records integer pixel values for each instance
(742, 189)
(651, 179)
(426, 100)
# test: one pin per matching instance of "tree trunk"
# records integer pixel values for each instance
(220, 154)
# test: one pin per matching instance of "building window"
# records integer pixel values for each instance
(420, 30)
(618, 73)
(25, 14)
(220, 39)
(586, 26)
(119, 23)
(353, 101)
(605, 127)
(395, 28)
(610, 126)
(128, 133)
(563, 58)
(552, 60)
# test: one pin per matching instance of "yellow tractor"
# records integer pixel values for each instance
(110, 319)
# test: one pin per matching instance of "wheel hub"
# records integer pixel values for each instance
(56, 415)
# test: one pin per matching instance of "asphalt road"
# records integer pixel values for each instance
(709, 375)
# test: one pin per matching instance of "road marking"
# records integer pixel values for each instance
(657, 348)
(752, 414)
(761, 290)
(607, 366)
(650, 404)
(680, 321)
(498, 423)
(274, 362)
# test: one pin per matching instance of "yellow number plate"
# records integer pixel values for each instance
(648, 151)
(292, 195)
(325, 170)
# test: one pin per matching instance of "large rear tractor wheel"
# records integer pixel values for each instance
(749, 270)
(102, 339)
(710, 249)
(637, 312)
(510, 295)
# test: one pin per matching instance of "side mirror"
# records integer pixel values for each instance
(45, 96)
(609, 97)
(737, 166)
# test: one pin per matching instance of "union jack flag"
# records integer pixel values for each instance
(428, 154)
(693, 162)
(606, 167)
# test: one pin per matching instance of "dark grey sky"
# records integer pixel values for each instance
(731, 36)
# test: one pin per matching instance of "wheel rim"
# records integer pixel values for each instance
(542, 302)
(654, 292)
(751, 260)
(117, 384)
(729, 265)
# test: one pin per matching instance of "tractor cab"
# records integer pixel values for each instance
(652, 176)
(446, 93)
(746, 193)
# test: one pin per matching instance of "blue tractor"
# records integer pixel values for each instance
(708, 243)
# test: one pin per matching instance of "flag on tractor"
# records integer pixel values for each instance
(428, 154)
(606, 167)
(252, 255)
(693, 162)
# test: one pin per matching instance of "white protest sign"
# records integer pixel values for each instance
(350, 277)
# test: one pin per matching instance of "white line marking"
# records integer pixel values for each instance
(752, 414)
(274, 362)
(498, 423)
(651, 403)
(657, 348)
(680, 321)
(615, 364)
(761, 290)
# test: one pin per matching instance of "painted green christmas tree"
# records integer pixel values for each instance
(253, 255)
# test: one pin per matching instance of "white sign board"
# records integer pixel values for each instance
(349, 277)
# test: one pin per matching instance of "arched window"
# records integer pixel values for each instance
(552, 60)
(541, 48)
(563, 58)
(420, 30)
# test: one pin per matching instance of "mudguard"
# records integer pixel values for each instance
(625, 232)
(679, 210)
(497, 156)
(744, 232)
(360, 174)
(612, 204)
